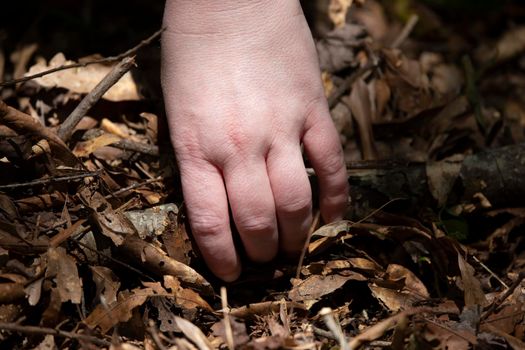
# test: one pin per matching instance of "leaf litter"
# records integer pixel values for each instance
(94, 248)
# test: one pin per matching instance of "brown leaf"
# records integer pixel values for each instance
(264, 308)
(359, 103)
(119, 311)
(337, 10)
(85, 148)
(193, 333)
(111, 223)
(157, 261)
(441, 176)
(376, 331)
(64, 267)
(412, 283)
(107, 283)
(473, 293)
(184, 297)
(83, 79)
(336, 48)
(315, 286)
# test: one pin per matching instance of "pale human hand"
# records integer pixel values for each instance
(242, 90)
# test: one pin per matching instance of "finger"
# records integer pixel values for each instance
(253, 209)
(292, 196)
(207, 206)
(322, 145)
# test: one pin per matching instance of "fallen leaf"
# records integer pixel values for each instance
(337, 10)
(112, 224)
(107, 316)
(85, 148)
(107, 283)
(315, 286)
(359, 103)
(184, 297)
(64, 268)
(336, 48)
(473, 293)
(84, 79)
(193, 333)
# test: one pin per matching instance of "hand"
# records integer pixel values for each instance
(242, 90)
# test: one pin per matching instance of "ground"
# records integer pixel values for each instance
(95, 252)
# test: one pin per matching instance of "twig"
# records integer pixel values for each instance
(111, 59)
(346, 84)
(152, 330)
(50, 180)
(305, 247)
(24, 124)
(140, 147)
(490, 272)
(132, 187)
(56, 332)
(117, 261)
(502, 298)
(379, 329)
(334, 328)
(450, 330)
(66, 129)
(227, 324)
(407, 29)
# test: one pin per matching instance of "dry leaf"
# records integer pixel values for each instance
(193, 333)
(119, 130)
(112, 224)
(64, 267)
(184, 297)
(337, 10)
(106, 317)
(264, 308)
(413, 284)
(441, 177)
(473, 293)
(315, 286)
(85, 148)
(157, 261)
(336, 48)
(107, 283)
(360, 104)
(82, 80)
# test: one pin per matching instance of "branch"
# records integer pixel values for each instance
(66, 129)
(110, 59)
(56, 332)
(24, 124)
(50, 180)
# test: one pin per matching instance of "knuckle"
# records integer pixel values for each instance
(256, 225)
(207, 225)
(333, 163)
(300, 204)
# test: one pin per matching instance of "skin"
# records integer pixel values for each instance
(243, 92)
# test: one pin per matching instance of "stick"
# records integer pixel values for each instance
(111, 59)
(50, 180)
(502, 298)
(139, 147)
(66, 129)
(132, 187)
(24, 124)
(407, 29)
(227, 324)
(334, 328)
(56, 332)
(347, 83)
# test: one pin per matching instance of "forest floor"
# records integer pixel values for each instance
(95, 251)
